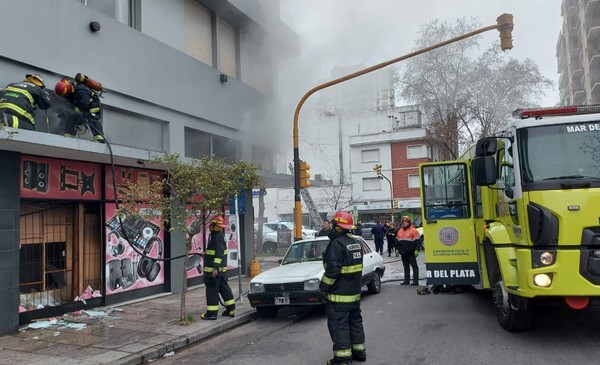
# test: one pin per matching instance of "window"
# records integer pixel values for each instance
(446, 193)
(419, 151)
(371, 184)
(413, 181)
(198, 32)
(227, 46)
(197, 144)
(369, 155)
(124, 11)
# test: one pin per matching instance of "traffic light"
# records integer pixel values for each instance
(505, 27)
(304, 174)
(377, 168)
(395, 204)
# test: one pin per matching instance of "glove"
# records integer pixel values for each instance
(416, 253)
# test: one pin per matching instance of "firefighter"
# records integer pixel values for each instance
(409, 245)
(215, 269)
(341, 284)
(19, 100)
(88, 111)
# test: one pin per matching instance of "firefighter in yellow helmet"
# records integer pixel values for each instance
(19, 100)
(341, 284)
(215, 273)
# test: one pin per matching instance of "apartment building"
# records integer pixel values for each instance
(194, 77)
(578, 53)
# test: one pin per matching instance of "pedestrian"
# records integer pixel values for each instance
(358, 230)
(341, 283)
(19, 100)
(409, 245)
(85, 99)
(215, 277)
(390, 236)
(325, 229)
(378, 231)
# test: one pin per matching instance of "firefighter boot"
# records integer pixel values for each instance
(210, 316)
(228, 313)
(335, 361)
(359, 356)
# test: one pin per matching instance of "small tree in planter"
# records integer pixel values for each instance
(190, 190)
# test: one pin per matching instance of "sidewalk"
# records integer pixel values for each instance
(127, 333)
(137, 332)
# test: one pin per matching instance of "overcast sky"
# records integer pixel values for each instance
(346, 32)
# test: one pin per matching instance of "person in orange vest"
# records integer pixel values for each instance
(215, 269)
(409, 245)
(19, 100)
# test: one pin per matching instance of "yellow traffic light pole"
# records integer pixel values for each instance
(504, 24)
(377, 169)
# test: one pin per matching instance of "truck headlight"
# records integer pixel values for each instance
(257, 287)
(542, 280)
(542, 258)
(312, 284)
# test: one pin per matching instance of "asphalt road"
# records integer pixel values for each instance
(405, 328)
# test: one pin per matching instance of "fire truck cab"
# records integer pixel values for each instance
(519, 214)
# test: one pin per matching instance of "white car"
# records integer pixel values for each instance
(295, 282)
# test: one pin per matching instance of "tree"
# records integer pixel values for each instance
(466, 94)
(191, 190)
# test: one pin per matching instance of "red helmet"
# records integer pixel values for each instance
(343, 220)
(63, 88)
(218, 221)
(406, 219)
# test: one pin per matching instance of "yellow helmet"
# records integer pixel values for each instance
(36, 79)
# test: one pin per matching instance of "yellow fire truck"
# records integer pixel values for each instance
(519, 214)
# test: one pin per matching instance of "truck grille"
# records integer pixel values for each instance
(284, 287)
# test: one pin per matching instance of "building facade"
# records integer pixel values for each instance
(578, 53)
(193, 77)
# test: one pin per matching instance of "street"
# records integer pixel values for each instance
(405, 328)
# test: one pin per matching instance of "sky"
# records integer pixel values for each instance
(346, 32)
(350, 32)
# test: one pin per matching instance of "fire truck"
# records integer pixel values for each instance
(519, 214)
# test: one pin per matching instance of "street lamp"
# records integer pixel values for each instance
(377, 169)
(504, 23)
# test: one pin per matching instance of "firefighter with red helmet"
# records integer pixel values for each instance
(341, 283)
(409, 245)
(84, 95)
(19, 100)
(215, 269)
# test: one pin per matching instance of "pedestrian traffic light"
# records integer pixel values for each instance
(505, 27)
(304, 174)
(377, 168)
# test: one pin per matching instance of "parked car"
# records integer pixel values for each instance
(295, 282)
(366, 230)
(289, 226)
(269, 241)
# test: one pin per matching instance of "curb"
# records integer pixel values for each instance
(155, 352)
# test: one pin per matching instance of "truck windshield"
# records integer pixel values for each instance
(561, 152)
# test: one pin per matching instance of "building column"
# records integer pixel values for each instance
(9, 245)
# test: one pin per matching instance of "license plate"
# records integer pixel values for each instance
(282, 300)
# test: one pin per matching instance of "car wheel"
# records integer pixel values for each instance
(375, 285)
(269, 248)
(267, 312)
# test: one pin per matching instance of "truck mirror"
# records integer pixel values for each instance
(486, 146)
(484, 171)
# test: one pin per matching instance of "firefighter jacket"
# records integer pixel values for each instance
(215, 256)
(20, 99)
(409, 240)
(85, 100)
(343, 262)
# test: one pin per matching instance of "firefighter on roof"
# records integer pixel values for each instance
(215, 269)
(19, 100)
(341, 283)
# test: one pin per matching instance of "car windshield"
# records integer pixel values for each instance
(305, 251)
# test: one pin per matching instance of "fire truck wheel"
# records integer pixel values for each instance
(510, 317)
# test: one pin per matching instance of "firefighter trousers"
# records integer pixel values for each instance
(15, 121)
(214, 287)
(409, 260)
(345, 325)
